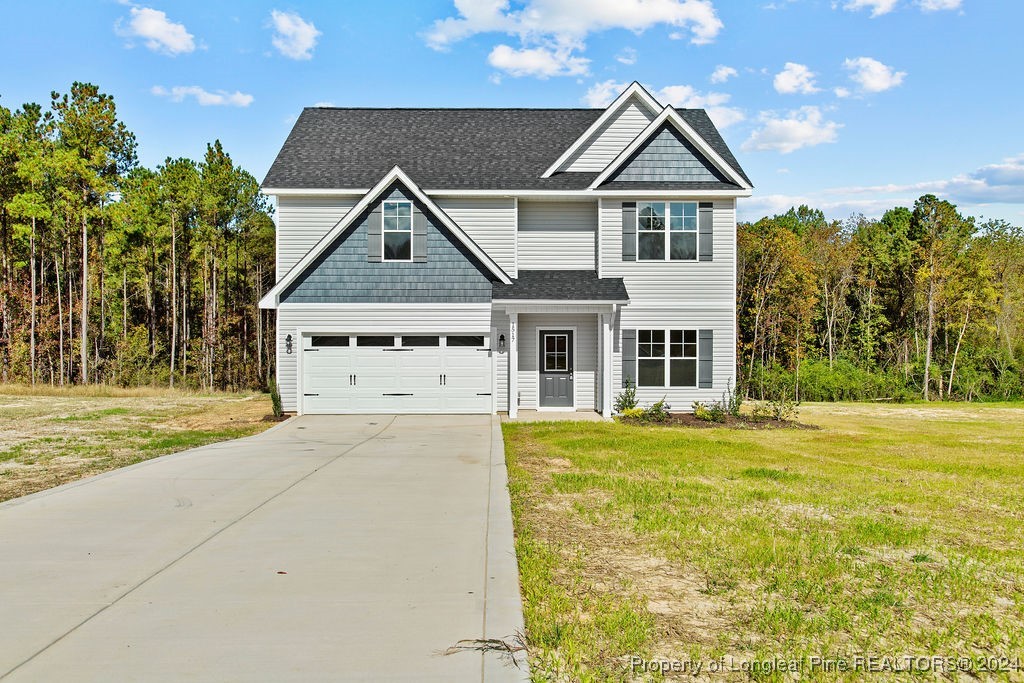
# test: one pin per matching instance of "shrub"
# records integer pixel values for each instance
(658, 412)
(709, 412)
(626, 400)
(636, 413)
(275, 399)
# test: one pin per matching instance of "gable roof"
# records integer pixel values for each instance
(395, 175)
(445, 149)
(670, 116)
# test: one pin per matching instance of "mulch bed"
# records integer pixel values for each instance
(742, 422)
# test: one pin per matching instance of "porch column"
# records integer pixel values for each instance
(513, 365)
(606, 365)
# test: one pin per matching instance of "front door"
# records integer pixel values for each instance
(556, 364)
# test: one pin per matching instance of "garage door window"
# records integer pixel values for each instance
(421, 341)
(466, 340)
(375, 341)
(321, 340)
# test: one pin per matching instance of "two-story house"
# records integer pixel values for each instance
(486, 260)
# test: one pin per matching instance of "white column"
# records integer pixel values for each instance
(513, 365)
(606, 365)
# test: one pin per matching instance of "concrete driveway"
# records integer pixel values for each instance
(329, 548)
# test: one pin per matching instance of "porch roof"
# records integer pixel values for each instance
(562, 285)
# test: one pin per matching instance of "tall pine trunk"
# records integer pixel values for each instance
(84, 340)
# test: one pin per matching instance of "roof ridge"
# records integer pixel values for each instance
(588, 109)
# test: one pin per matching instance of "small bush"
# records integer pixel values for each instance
(636, 413)
(732, 399)
(658, 412)
(626, 400)
(275, 399)
(709, 412)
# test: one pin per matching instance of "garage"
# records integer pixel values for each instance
(385, 373)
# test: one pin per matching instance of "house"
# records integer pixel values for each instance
(486, 260)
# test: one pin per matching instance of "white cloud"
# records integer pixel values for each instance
(877, 7)
(627, 56)
(325, 104)
(715, 103)
(805, 127)
(682, 96)
(939, 5)
(873, 76)
(842, 93)
(1001, 183)
(551, 33)
(795, 78)
(159, 33)
(722, 73)
(294, 37)
(541, 62)
(204, 98)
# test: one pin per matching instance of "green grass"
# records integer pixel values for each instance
(893, 530)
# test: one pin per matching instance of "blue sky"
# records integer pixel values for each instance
(848, 105)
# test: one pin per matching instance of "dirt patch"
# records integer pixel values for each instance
(729, 421)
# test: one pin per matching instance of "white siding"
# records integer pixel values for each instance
(490, 222)
(362, 318)
(499, 326)
(677, 295)
(302, 221)
(557, 235)
(606, 143)
(585, 372)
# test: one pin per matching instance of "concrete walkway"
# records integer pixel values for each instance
(329, 548)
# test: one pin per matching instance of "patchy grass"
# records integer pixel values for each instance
(889, 531)
(55, 435)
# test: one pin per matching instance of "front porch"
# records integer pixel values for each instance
(554, 333)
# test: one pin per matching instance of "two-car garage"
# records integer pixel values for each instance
(394, 373)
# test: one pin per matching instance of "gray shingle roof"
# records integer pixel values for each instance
(471, 149)
(561, 285)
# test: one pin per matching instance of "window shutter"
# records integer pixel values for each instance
(629, 356)
(374, 239)
(705, 222)
(419, 236)
(705, 354)
(629, 231)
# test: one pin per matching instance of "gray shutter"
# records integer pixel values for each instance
(419, 236)
(629, 231)
(705, 354)
(705, 241)
(629, 356)
(374, 244)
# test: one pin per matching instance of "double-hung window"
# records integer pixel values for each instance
(666, 231)
(666, 365)
(397, 231)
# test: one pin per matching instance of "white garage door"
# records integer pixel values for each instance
(395, 374)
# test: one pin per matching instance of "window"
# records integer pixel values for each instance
(375, 340)
(666, 231)
(678, 365)
(465, 340)
(318, 340)
(420, 341)
(650, 348)
(556, 353)
(397, 231)
(683, 358)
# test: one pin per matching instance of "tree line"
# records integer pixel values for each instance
(921, 303)
(117, 273)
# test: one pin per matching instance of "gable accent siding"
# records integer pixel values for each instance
(342, 273)
(490, 222)
(668, 157)
(302, 221)
(605, 144)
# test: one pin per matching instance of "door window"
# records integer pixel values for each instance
(556, 352)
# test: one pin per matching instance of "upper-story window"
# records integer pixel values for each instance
(397, 231)
(666, 231)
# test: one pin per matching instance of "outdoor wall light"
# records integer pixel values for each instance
(288, 344)
(501, 343)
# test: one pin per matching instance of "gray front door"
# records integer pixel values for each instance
(556, 364)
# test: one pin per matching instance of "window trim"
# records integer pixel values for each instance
(668, 357)
(667, 231)
(400, 231)
(544, 352)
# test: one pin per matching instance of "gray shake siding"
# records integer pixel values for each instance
(668, 157)
(342, 273)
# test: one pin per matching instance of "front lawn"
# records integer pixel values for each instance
(52, 436)
(892, 531)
